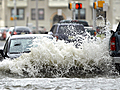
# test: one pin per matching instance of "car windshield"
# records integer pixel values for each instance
(2, 30)
(20, 45)
(70, 28)
(22, 29)
(84, 23)
(23, 45)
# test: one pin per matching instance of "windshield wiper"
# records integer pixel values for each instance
(18, 44)
(26, 51)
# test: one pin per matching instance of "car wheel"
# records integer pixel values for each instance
(1, 58)
(117, 66)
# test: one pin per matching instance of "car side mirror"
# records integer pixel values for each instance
(111, 31)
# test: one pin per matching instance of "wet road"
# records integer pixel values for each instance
(33, 71)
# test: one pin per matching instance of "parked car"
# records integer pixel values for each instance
(3, 32)
(10, 31)
(114, 47)
(84, 23)
(18, 30)
(19, 44)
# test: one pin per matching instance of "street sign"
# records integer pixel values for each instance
(59, 12)
(105, 6)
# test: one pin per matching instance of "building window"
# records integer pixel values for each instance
(40, 14)
(80, 13)
(83, 13)
(33, 14)
(38, 0)
(19, 13)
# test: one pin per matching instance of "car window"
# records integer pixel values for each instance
(5, 47)
(83, 23)
(20, 45)
(62, 29)
(22, 29)
(54, 29)
(71, 28)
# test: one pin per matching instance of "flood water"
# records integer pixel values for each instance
(60, 66)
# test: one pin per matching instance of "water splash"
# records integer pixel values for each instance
(58, 59)
(61, 59)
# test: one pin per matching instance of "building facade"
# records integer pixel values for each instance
(52, 11)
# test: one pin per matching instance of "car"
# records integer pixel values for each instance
(10, 31)
(69, 32)
(16, 45)
(18, 30)
(41, 30)
(114, 47)
(3, 32)
(84, 23)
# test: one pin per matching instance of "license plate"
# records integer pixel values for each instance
(22, 32)
(70, 37)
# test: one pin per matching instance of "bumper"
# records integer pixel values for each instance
(116, 59)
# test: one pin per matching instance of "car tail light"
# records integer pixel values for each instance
(14, 33)
(112, 44)
(10, 32)
(56, 38)
(94, 33)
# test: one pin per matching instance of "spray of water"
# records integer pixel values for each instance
(60, 59)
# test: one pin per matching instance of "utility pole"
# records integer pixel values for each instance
(14, 13)
(36, 16)
(94, 15)
(74, 14)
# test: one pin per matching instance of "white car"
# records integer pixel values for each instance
(9, 32)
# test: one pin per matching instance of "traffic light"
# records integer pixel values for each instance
(70, 6)
(100, 4)
(78, 5)
(11, 18)
(15, 17)
(95, 5)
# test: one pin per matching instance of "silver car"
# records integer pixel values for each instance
(18, 44)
